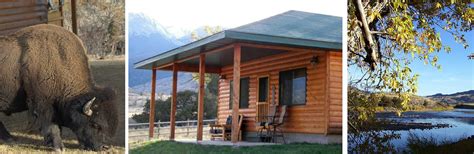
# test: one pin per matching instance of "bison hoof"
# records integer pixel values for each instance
(105, 147)
(59, 150)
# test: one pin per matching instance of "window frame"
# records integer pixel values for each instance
(231, 83)
(280, 87)
(268, 88)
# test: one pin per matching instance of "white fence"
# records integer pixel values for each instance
(184, 129)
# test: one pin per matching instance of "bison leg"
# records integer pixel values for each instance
(43, 115)
(52, 137)
(4, 134)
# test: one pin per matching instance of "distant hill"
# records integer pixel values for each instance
(460, 97)
(427, 102)
(415, 101)
(388, 100)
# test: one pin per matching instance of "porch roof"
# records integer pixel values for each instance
(292, 28)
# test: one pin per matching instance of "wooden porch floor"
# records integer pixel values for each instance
(224, 143)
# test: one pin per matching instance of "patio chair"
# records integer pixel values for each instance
(276, 128)
(217, 131)
(264, 122)
(224, 131)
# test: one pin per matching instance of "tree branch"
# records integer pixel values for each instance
(371, 57)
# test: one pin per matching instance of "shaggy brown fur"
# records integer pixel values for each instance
(44, 69)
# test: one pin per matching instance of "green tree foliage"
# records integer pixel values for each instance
(210, 78)
(384, 37)
(186, 107)
(361, 107)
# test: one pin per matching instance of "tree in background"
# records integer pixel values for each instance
(209, 30)
(384, 37)
(101, 26)
(186, 108)
(211, 80)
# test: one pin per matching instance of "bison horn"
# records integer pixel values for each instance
(87, 108)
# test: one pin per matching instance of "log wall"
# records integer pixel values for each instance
(16, 14)
(322, 112)
(335, 92)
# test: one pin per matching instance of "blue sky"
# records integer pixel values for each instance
(456, 74)
(457, 71)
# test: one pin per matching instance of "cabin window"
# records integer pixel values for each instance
(244, 93)
(263, 89)
(293, 87)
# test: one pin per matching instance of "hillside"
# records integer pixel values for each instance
(416, 102)
(433, 101)
(460, 97)
(387, 101)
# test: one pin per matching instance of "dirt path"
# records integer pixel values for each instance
(106, 73)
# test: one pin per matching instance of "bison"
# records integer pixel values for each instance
(44, 70)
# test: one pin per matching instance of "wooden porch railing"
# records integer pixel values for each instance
(262, 112)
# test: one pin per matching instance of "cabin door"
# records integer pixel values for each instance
(263, 85)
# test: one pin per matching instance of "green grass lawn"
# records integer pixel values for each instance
(174, 147)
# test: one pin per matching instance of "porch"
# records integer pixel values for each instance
(214, 61)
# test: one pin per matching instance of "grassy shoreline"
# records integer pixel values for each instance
(462, 146)
(415, 109)
(464, 106)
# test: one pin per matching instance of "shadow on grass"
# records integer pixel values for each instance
(33, 141)
(174, 147)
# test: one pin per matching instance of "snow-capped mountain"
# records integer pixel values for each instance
(148, 38)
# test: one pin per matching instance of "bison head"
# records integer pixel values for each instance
(94, 119)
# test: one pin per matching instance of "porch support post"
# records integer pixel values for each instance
(236, 94)
(202, 70)
(73, 17)
(173, 101)
(152, 105)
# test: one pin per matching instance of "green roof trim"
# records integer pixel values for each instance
(281, 40)
(294, 28)
(175, 51)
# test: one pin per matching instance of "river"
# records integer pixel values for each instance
(461, 123)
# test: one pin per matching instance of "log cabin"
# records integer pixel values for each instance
(15, 14)
(292, 59)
